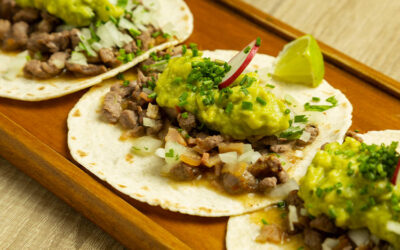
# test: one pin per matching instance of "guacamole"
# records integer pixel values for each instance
(76, 12)
(241, 110)
(351, 184)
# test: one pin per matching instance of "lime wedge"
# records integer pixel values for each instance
(300, 61)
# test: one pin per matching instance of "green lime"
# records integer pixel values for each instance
(300, 61)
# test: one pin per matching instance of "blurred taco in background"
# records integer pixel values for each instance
(53, 48)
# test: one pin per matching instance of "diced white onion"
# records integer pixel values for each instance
(298, 153)
(145, 145)
(283, 190)
(249, 157)
(160, 152)
(143, 17)
(126, 24)
(229, 157)
(247, 148)
(147, 122)
(359, 236)
(110, 36)
(293, 218)
(305, 136)
(393, 226)
(78, 58)
(291, 100)
(85, 35)
(329, 244)
(177, 150)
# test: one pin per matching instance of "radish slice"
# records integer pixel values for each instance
(396, 176)
(239, 62)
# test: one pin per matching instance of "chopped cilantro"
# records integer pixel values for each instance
(185, 115)
(292, 133)
(152, 95)
(264, 221)
(301, 118)
(316, 99)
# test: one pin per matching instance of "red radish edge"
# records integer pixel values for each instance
(396, 173)
(250, 55)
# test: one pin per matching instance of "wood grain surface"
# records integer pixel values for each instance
(374, 110)
(367, 30)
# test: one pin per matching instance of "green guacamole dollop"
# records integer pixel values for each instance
(239, 113)
(353, 187)
(76, 12)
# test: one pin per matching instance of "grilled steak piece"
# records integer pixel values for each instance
(112, 109)
(184, 172)
(86, 70)
(49, 43)
(17, 38)
(236, 183)
(108, 57)
(128, 119)
(187, 123)
(313, 130)
(5, 27)
(44, 70)
(7, 9)
(324, 224)
(207, 143)
(48, 23)
(28, 15)
(312, 239)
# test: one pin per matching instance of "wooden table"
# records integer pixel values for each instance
(30, 216)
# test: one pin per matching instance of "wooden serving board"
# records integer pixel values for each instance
(33, 136)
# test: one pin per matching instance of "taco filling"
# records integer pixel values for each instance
(232, 137)
(345, 201)
(79, 38)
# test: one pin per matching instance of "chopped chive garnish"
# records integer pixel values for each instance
(184, 49)
(166, 35)
(246, 50)
(184, 115)
(287, 111)
(156, 34)
(120, 76)
(113, 19)
(152, 95)
(270, 86)
(126, 83)
(170, 153)
(264, 221)
(122, 3)
(229, 108)
(316, 99)
(258, 42)
(134, 32)
(261, 101)
(247, 105)
(107, 8)
(177, 80)
(300, 118)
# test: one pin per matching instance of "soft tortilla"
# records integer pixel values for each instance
(171, 13)
(241, 231)
(97, 146)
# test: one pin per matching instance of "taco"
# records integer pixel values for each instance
(53, 48)
(349, 199)
(172, 138)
